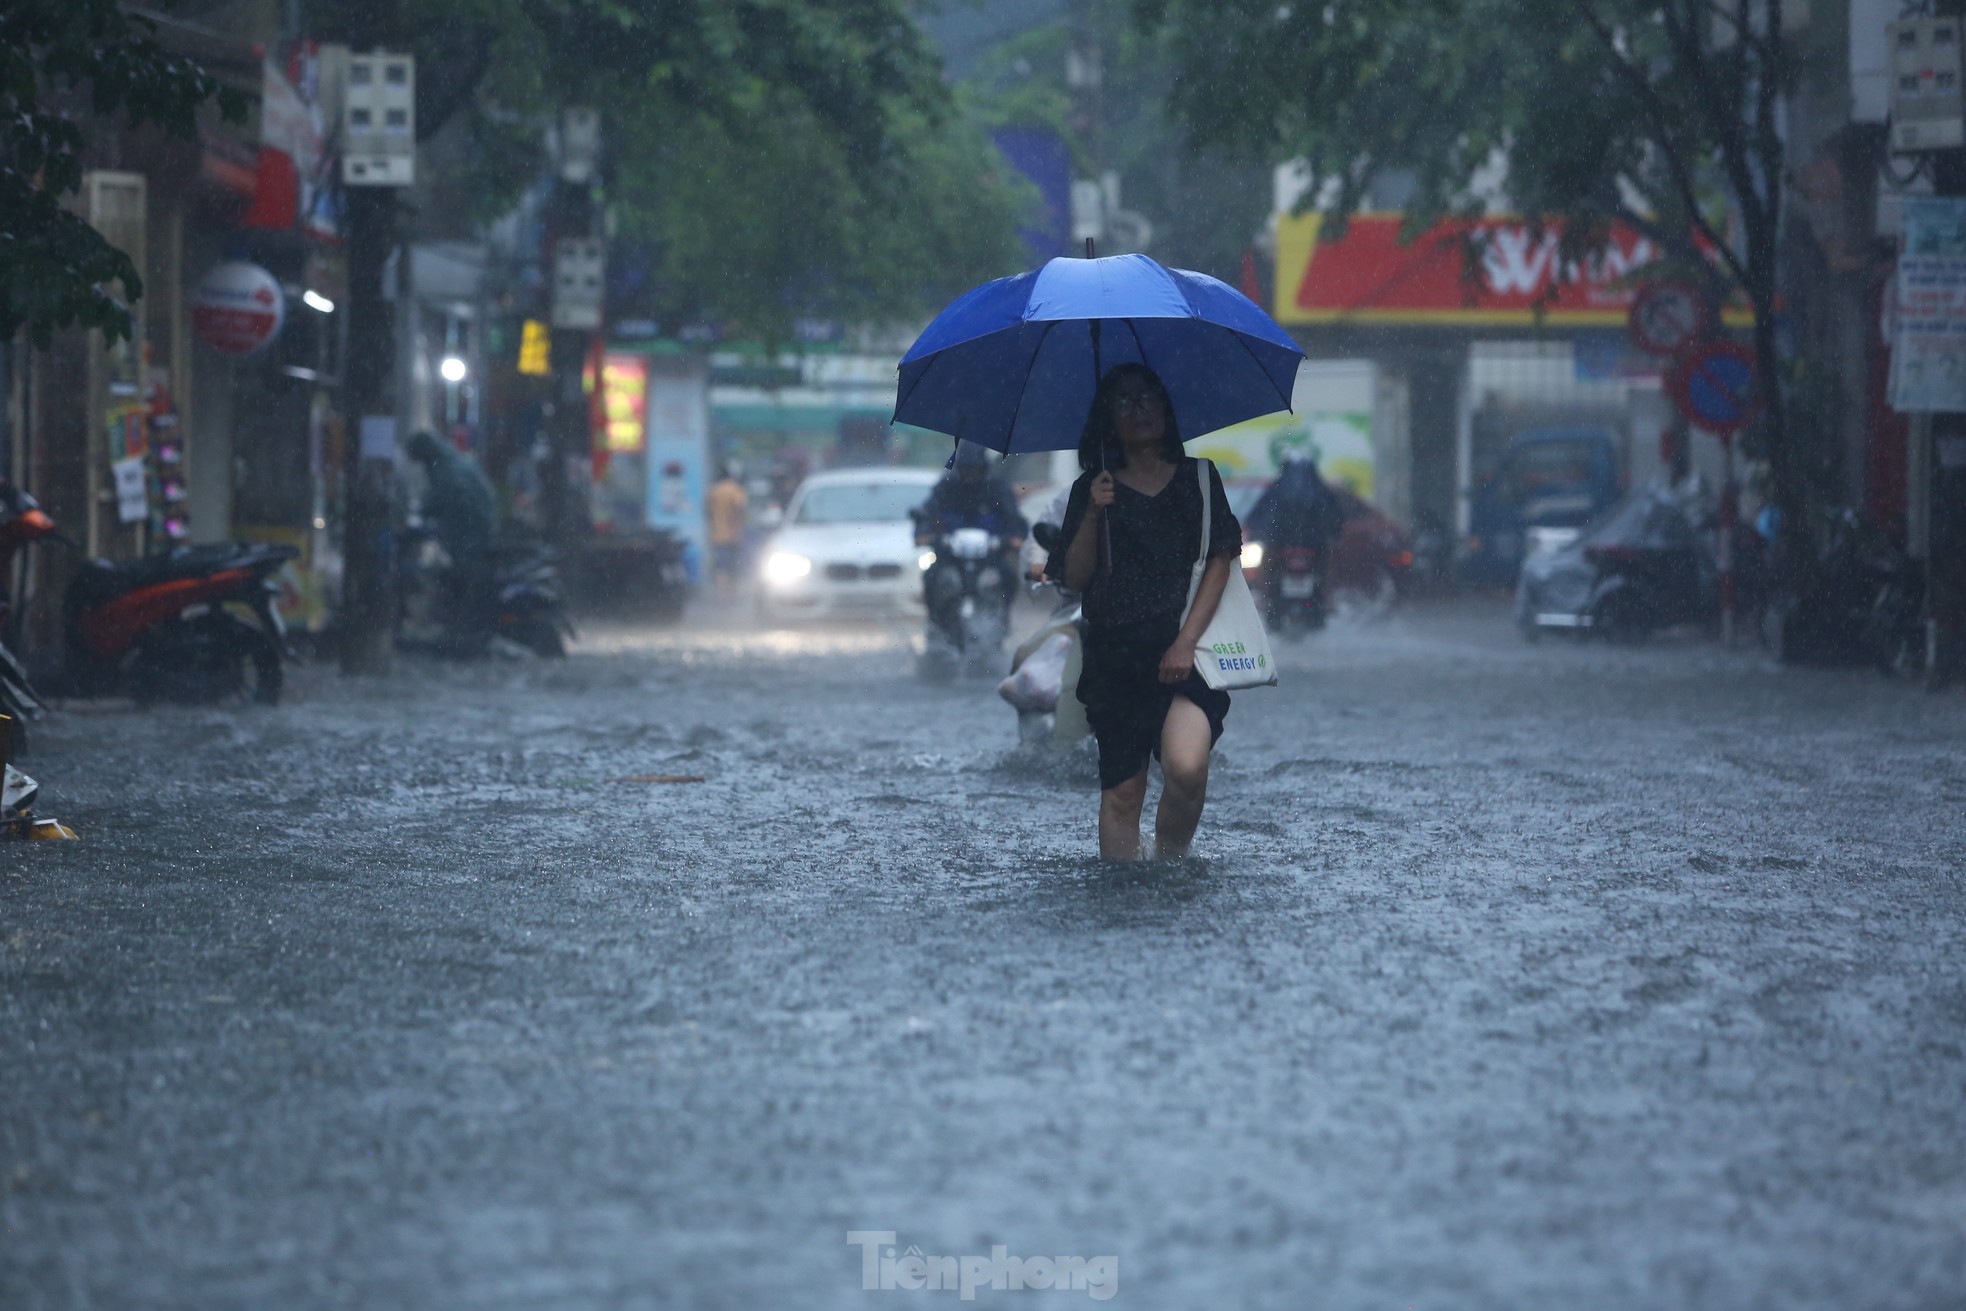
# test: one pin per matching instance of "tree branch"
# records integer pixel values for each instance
(1743, 31)
(462, 84)
(1668, 148)
(1766, 139)
(1683, 38)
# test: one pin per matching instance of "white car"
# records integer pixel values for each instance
(847, 547)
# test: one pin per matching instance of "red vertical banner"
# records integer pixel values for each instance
(624, 404)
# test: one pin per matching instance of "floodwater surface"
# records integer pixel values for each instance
(1503, 977)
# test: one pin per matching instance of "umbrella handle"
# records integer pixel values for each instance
(1105, 524)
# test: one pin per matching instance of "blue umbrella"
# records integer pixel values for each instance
(1013, 364)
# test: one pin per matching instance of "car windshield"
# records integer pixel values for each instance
(870, 502)
(1648, 520)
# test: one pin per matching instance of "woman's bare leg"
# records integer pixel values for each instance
(1185, 740)
(1119, 818)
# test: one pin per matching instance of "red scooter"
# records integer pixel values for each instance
(172, 626)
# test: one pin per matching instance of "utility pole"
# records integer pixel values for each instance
(1085, 76)
(577, 257)
(1944, 457)
(1097, 214)
(378, 143)
(368, 594)
(1929, 118)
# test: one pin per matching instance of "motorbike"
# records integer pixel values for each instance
(1294, 599)
(1894, 630)
(170, 626)
(516, 598)
(1433, 556)
(1869, 601)
(18, 699)
(1642, 566)
(968, 609)
(21, 521)
(1042, 685)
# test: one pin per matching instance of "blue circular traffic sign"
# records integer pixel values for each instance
(1715, 384)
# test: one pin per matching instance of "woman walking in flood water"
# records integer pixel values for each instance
(1131, 535)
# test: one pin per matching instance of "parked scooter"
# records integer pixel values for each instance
(172, 626)
(1869, 601)
(968, 609)
(1641, 567)
(1894, 630)
(21, 521)
(516, 596)
(1294, 600)
(18, 698)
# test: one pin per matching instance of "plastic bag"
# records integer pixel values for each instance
(1034, 684)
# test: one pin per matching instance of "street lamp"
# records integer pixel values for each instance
(452, 369)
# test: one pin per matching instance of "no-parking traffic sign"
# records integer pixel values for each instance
(1666, 317)
(1715, 385)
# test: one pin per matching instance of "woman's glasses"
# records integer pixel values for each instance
(1135, 402)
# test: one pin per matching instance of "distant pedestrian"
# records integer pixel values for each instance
(729, 508)
(458, 501)
(462, 513)
(1141, 691)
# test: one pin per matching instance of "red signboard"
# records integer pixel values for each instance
(1371, 276)
(238, 308)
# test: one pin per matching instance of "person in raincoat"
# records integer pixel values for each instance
(1141, 493)
(463, 515)
(457, 498)
(971, 495)
(1298, 508)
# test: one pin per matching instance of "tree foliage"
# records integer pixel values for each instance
(1205, 204)
(67, 66)
(1602, 110)
(761, 220)
(787, 158)
(1663, 115)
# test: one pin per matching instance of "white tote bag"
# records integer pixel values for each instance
(1234, 651)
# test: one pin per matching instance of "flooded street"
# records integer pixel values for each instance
(1508, 976)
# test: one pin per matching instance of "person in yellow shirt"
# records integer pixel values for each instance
(728, 506)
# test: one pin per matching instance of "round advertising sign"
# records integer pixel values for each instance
(238, 308)
(1666, 317)
(1715, 385)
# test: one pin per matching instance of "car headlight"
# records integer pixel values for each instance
(784, 567)
(1252, 555)
(925, 561)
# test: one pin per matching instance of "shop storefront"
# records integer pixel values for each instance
(1464, 357)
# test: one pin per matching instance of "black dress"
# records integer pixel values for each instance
(1133, 610)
